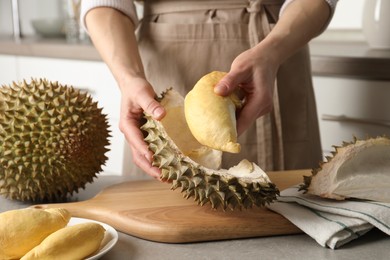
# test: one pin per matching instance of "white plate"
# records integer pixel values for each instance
(109, 240)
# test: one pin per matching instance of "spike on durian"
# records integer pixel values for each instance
(52, 140)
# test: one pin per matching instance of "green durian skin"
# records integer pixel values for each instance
(202, 184)
(53, 140)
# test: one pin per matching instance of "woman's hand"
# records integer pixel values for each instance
(254, 75)
(118, 48)
(137, 97)
(254, 71)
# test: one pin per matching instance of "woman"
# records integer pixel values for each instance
(261, 43)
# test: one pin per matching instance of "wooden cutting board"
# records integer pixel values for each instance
(150, 210)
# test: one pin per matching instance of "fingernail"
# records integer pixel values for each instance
(158, 112)
(220, 89)
(147, 158)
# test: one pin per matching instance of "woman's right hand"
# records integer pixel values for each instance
(138, 97)
(119, 49)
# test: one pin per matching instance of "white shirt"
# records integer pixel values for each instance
(128, 8)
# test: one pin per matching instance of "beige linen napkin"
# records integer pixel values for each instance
(332, 223)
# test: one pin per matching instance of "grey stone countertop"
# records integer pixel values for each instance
(374, 245)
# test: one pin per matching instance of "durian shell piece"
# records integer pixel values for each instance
(72, 242)
(358, 169)
(210, 117)
(23, 229)
(243, 186)
(53, 140)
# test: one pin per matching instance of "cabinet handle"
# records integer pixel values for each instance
(343, 118)
(15, 20)
(85, 89)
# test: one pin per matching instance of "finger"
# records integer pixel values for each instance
(250, 112)
(144, 164)
(245, 118)
(135, 137)
(142, 156)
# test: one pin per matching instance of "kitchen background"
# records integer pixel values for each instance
(347, 16)
(351, 79)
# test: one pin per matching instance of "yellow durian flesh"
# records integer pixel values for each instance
(23, 229)
(211, 117)
(72, 242)
(177, 128)
(359, 169)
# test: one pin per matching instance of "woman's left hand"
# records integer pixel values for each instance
(253, 73)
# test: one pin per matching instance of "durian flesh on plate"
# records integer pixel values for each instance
(196, 168)
(359, 169)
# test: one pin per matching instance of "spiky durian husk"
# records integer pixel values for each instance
(53, 140)
(325, 179)
(203, 184)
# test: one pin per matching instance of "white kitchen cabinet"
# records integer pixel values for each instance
(361, 107)
(8, 72)
(92, 76)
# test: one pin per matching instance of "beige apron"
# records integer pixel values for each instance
(180, 41)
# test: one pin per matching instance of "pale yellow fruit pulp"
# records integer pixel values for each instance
(211, 117)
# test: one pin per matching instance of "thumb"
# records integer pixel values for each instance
(225, 86)
(152, 107)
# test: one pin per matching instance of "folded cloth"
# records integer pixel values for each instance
(332, 223)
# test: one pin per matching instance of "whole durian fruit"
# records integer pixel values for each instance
(195, 168)
(53, 140)
(357, 169)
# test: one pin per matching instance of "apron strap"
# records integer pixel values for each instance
(270, 154)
